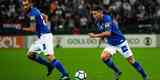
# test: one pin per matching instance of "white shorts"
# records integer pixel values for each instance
(123, 49)
(43, 45)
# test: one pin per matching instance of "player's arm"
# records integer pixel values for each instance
(45, 17)
(100, 35)
(32, 26)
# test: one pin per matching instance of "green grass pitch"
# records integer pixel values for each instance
(15, 66)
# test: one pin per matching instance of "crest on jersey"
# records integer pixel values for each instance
(106, 26)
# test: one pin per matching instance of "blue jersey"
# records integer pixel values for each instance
(36, 16)
(107, 24)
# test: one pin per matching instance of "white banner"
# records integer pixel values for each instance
(140, 40)
(73, 41)
(11, 42)
(83, 41)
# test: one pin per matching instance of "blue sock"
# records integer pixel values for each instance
(111, 65)
(40, 60)
(139, 68)
(59, 66)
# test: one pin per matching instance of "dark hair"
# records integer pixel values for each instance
(104, 9)
(96, 8)
(20, 1)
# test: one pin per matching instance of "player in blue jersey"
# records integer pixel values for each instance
(44, 43)
(115, 41)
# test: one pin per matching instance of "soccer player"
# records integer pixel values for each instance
(44, 43)
(115, 41)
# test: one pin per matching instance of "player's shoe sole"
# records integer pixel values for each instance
(75, 79)
(64, 78)
(146, 78)
(117, 76)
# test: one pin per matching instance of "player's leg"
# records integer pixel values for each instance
(137, 66)
(33, 54)
(58, 65)
(126, 52)
(37, 58)
(51, 58)
(106, 57)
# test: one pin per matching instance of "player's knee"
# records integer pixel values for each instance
(105, 56)
(131, 60)
(31, 55)
(51, 58)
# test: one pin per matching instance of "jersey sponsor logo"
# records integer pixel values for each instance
(103, 27)
(106, 26)
(32, 18)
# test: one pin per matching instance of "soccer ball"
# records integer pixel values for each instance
(80, 75)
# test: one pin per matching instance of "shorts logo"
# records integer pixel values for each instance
(44, 46)
(124, 49)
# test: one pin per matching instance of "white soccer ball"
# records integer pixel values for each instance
(81, 75)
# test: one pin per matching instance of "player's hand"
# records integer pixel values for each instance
(92, 35)
(45, 17)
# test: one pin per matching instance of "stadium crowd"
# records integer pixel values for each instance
(73, 16)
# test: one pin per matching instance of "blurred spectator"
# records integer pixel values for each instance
(141, 12)
(76, 30)
(106, 2)
(84, 22)
(73, 16)
(53, 7)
